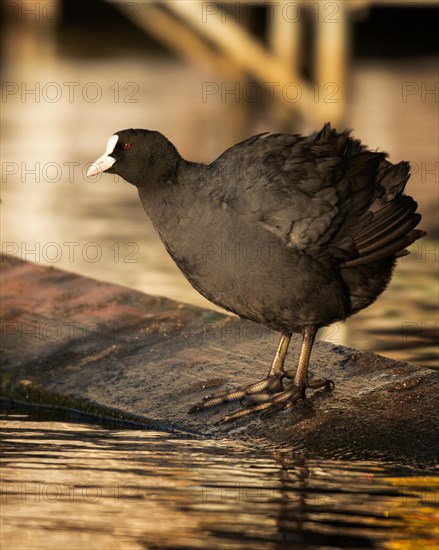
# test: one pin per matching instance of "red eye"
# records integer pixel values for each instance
(127, 145)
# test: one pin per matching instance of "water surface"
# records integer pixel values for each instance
(68, 483)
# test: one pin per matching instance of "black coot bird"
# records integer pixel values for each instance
(289, 231)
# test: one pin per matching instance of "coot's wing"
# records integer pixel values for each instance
(324, 195)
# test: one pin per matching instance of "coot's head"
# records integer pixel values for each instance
(141, 157)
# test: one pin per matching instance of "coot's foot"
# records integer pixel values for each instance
(269, 395)
(265, 402)
(279, 401)
(257, 392)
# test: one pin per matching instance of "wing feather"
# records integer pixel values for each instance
(324, 195)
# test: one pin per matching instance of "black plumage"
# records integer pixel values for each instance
(288, 231)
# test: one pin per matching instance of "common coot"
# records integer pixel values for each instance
(292, 232)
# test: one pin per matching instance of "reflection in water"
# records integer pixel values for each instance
(75, 485)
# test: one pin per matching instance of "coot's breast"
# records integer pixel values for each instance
(246, 270)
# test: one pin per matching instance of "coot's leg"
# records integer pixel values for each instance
(301, 376)
(258, 391)
(271, 403)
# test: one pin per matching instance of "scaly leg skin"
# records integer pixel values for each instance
(269, 393)
(259, 391)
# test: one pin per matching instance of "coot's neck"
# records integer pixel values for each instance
(169, 201)
(161, 169)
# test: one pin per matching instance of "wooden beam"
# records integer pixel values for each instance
(250, 56)
(153, 20)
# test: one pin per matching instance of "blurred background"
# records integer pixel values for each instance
(208, 75)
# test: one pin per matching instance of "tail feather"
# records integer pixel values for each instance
(390, 235)
(391, 214)
(389, 229)
(394, 248)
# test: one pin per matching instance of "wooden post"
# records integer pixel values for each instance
(284, 36)
(284, 40)
(331, 60)
(30, 34)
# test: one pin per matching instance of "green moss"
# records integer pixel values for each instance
(27, 391)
